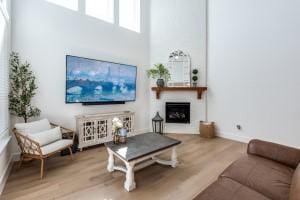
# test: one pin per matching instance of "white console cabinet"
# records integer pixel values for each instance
(95, 129)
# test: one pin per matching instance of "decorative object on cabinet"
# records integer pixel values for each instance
(117, 124)
(123, 135)
(96, 129)
(159, 72)
(179, 65)
(157, 124)
(195, 77)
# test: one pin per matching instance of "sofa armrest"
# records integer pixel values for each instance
(283, 154)
(295, 186)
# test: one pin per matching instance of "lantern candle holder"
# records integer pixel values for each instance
(157, 124)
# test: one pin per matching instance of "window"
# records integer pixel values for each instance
(101, 9)
(3, 9)
(129, 14)
(129, 11)
(4, 57)
(70, 4)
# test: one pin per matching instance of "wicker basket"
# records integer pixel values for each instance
(207, 129)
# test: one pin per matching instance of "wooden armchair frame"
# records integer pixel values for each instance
(32, 150)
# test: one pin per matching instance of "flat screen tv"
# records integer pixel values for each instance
(95, 81)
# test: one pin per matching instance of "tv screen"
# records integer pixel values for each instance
(91, 81)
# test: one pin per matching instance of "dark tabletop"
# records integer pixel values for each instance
(142, 145)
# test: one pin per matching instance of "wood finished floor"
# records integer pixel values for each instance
(200, 163)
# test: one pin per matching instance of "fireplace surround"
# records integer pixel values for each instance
(178, 112)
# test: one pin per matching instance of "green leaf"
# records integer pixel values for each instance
(159, 71)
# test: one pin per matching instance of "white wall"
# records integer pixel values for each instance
(43, 33)
(253, 69)
(178, 24)
(5, 46)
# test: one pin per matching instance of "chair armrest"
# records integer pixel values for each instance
(283, 154)
(27, 145)
(65, 131)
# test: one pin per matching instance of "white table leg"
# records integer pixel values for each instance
(173, 162)
(174, 157)
(111, 162)
(129, 183)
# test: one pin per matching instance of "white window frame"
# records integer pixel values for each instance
(138, 15)
(4, 9)
(4, 134)
(58, 3)
(109, 19)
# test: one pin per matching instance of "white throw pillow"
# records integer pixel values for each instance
(46, 137)
(33, 127)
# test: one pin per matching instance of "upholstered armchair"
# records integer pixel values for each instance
(41, 139)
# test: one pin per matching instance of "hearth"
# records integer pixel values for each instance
(178, 112)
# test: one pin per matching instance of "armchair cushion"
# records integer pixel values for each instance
(55, 146)
(46, 137)
(33, 127)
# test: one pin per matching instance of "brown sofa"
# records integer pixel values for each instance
(268, 171)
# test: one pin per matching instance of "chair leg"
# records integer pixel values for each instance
(42, 168)
(71, 153)
(20, 162)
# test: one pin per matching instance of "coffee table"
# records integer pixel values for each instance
(138, 152)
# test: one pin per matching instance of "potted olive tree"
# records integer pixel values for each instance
(22, 89)
(159, 72)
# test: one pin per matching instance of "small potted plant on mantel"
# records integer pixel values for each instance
(159, 72)
(195, 77)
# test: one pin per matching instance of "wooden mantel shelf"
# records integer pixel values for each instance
(199, 90)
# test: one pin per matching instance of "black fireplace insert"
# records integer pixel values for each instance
(178, 112)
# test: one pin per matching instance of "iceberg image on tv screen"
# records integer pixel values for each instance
(91, 80)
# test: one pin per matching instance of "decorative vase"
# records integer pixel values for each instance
(116, 138)
(123, 135)
(160, 82)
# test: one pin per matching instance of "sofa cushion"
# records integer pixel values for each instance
(46, 137)
(267, 177)
(228, 189)
(55, 146)
(33, 127)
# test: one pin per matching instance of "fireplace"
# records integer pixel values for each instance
(177, 112)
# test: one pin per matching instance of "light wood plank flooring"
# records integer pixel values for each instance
(200, 163)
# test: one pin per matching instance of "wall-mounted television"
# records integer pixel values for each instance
(91, 81)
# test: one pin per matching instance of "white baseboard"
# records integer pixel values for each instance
(15, 156)
(231, 136)
(181, 133)
(5, 174)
